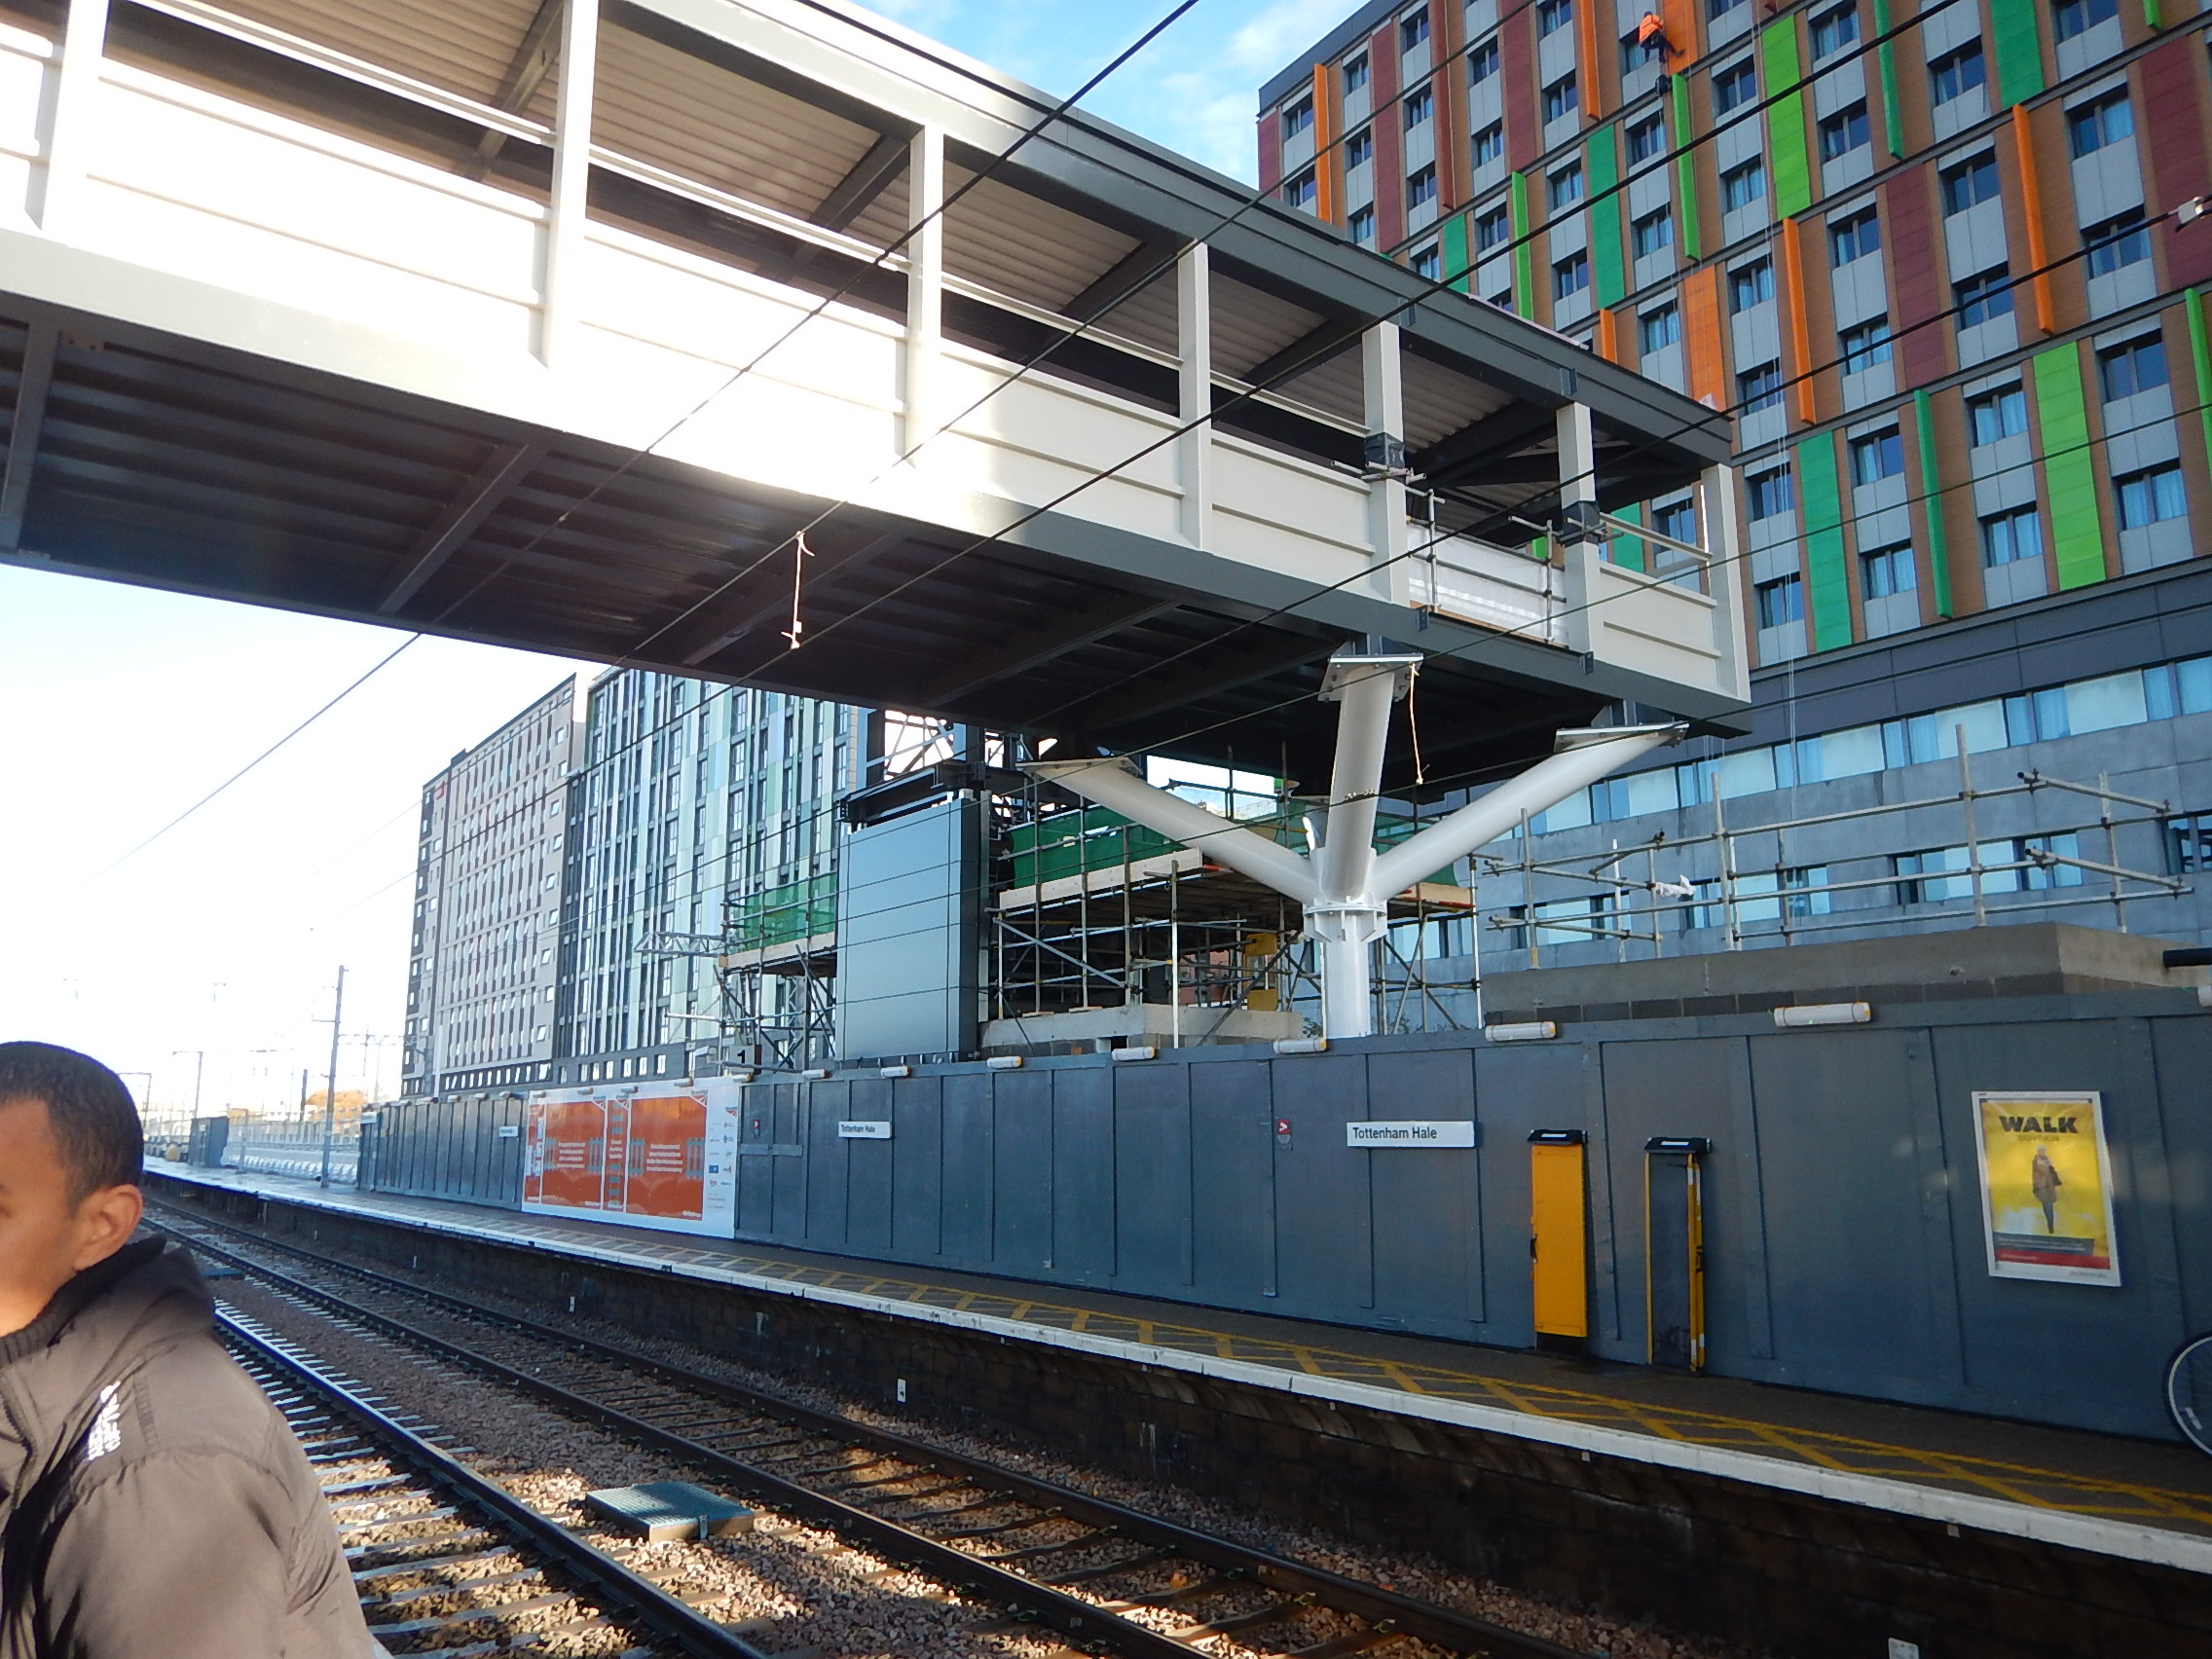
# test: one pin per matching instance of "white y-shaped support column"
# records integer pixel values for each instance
(1345, 886)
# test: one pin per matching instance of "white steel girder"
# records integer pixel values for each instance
(1344, 886)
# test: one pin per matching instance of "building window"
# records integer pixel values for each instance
(1490, 145)
(1742, 186)
(1297, 119)
(1769, 494)
(1413, 30)
(2070, 18)
(2009, 537)
(1875, 456)
(1971, 181)
(1482, 61)
(1359, 148)
(2117, 242)
(1418, 106)
(1553, 16)
(1564, 187)
(2091, 126)
(1421, 187)
(1833, 30)
(1356, 73)
(1646, 138)
(1738, 84)
(1652, 233)
(1780, 602)
(1957, 72)
(1561, 100)
(1570, 276)
(1984, 298)
(1638, 49)
(2132, 366)
(1887, 570)
(1758, 387)
(1750, 285)
(1300, 191)
(1993, 415)
(1716, 9)
(2025, 864)
(2189, 843)
(1427, 264)
(1865, 346)
(2150, 496)
(1360, 226)
(1493, 229)
(1502, 299)
(1843, 132)
(1854, 238)
(1656, 330)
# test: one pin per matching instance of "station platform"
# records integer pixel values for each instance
(2136, 1499)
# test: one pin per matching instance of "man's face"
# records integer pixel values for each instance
(46, 1237)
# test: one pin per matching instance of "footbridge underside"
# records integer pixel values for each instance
(555, 325)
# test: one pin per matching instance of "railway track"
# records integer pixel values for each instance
(446, 1561)
(1112, 1578)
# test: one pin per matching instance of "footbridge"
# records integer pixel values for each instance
(554, 325)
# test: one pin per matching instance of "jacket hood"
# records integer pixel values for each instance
(98, 1328)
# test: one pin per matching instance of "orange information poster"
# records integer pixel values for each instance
(649, 1156)
(2047, 1187)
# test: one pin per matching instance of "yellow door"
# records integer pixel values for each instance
(1559, 1267)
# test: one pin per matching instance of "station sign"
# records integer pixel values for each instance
(851, 1129)
(1412, 1132)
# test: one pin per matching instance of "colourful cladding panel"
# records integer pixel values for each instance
(1700, 327)
(1626, 549)
(1517, 62)
(1601, 173)
(1886, 65)
(1389, 144)
(1524, 261)
(1454, 247)
(1325, 147)
(1785, 117)
(2012, 27)
(1559, 1267)
(1912, 247)
(2070, 477)
(2171, 78)
(1932, 505)
(1686, 169)
(1827, 567)
(2200, 357)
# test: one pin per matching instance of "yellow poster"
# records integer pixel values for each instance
(2047, 1187)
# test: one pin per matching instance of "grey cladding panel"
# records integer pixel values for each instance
(1153, 1180)
(2182, 1050)
(917, 1157)
(1021, 1170)
(969, 1189)
(1232, 1160)
(869, 1169)
(1324, 1247)
(906, 932)
(826, 1197)
(1083, 1174)
(1427, 1204)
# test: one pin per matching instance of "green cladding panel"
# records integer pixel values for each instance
(1886, 67)
(1685, 172)
(1786, 118)
(1932, 503)
(1627, 549)
(2070, 477)
(1456, 271)
(2200, 355)
(2013, 31)
(1601, 172)
(1819, 520)
(1524, 261)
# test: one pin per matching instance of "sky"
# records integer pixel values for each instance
(203, 968)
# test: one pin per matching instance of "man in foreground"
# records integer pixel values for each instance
(152, 1505)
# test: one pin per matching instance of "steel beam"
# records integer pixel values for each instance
(478, 500)
(40, 343)
(532, 61)
(717, 633)
(1080, 628)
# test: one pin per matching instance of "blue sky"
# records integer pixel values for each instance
(119, 706)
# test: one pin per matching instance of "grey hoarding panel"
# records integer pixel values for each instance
(791, 1114)
(1518, 1089)
(822, 1105)
(969, 1190)
(869, 1169)
(917, 1162)
(2183, 1052)
(1082, 1174)
(2100, 1344)
(1324, 1255)
(1021, 1170)
(1427, 1204)
(1152, 1177)
(1233, 1225)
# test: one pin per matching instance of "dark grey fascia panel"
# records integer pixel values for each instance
(1136, 184)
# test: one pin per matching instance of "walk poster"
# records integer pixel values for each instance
(2045, 1187)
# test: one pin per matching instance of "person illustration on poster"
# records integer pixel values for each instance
(2043, 1177)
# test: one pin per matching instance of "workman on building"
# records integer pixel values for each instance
(153, 1504)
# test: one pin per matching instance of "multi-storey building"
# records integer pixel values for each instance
(1945, 267)
(699, 841)
(484, 954)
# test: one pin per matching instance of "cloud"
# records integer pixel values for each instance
(1267, 42)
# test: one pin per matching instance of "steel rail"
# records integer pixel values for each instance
(633, 1595)
(1383, 1610)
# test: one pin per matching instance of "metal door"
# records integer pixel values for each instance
(1559, 1255)
(1674, 1257)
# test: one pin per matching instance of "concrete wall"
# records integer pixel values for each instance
(1844, 1249)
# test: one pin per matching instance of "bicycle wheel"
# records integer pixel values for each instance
(2188, 1391)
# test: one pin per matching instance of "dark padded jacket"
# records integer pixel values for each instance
(154, 1503)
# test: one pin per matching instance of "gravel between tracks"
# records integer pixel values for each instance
(1424, 1578)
